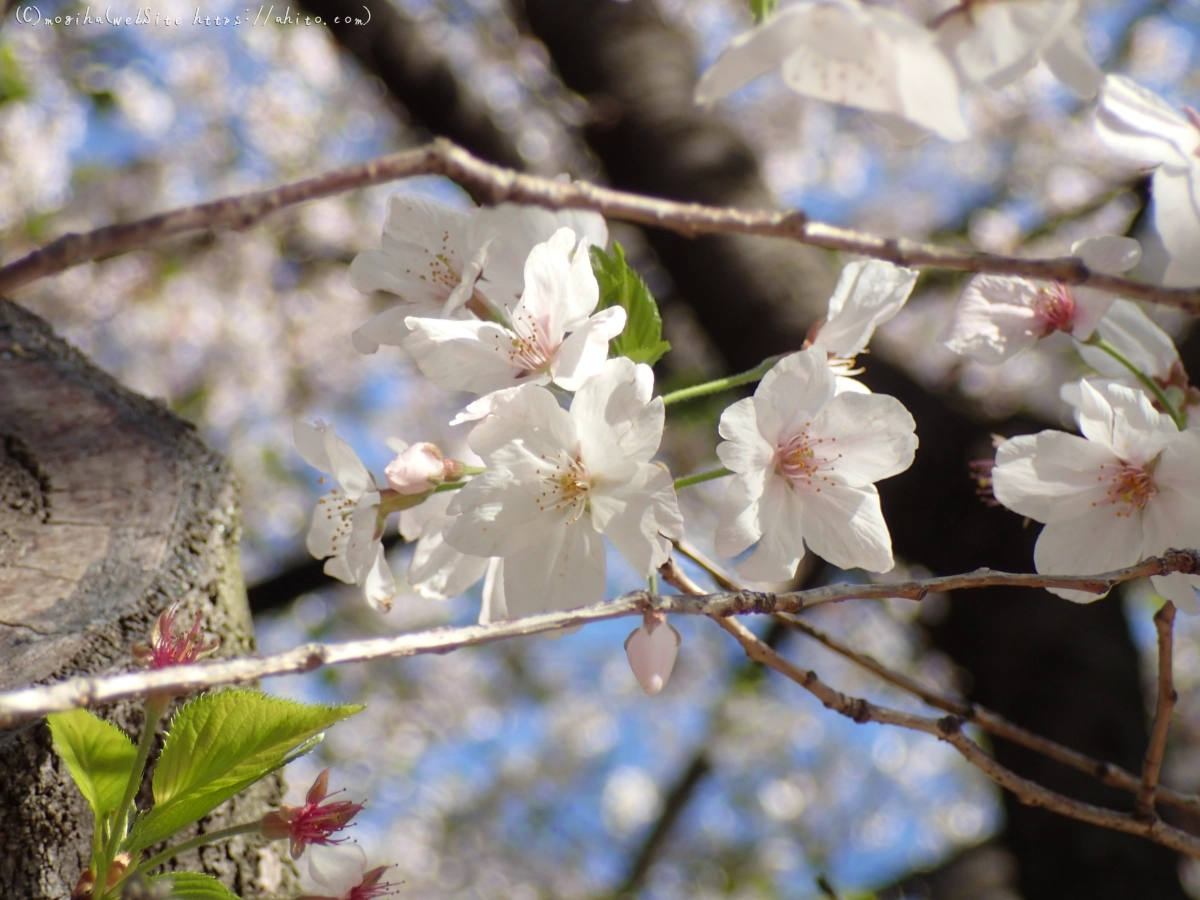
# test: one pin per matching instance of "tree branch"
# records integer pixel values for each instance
(1143, 808)
(949, 729)
(26, 703)
(499, 185)
(994, 723)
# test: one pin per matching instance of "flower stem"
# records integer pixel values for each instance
(688, 481)
(156, 705)
(449, 486)
(199, 841)
(721, 384)
(1150, 384)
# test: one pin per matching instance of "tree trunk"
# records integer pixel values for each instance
(110, 511)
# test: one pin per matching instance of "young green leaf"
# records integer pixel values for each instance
(620, 285)
(98, 754)
(218, 745)
(192, 886)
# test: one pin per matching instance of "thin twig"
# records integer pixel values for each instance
(949, 729)
(92, 690)
(994, 723)
(499, 185)
(1143, 807)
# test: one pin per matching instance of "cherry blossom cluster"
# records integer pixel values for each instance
(509, 304)
(503, 303)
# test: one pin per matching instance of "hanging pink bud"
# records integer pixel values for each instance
(651, 650)
(418, 469)
(168, 647)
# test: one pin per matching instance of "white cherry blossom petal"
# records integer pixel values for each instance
(1139, 124)
(1098, 541)
(564, 570)
(744, 449)
(871, 436)
(738, 526)
(1068, 58)
(495, 606)
(997, 42)
(1050, 476)
(868, 293)
(844, 525)
(640, 517)
(1108, 253)
(615, 416)
(844, 52)
(1139, 340)
(781, 520)
(994, 319)
(584, 351)
(337, 867)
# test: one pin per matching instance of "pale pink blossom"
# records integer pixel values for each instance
(843, 51)
(1128, 489)
(998, 316)
(558, 482)
(806, 460)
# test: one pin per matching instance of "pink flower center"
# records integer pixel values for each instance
(531, 349)
(800, 463)
(1130, 487)
(1055, 307)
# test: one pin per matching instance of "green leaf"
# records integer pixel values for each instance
(218, 745)
(192, 886)
(641, 340)
(99, 755)
(762, 9)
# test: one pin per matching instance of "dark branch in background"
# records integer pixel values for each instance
(392, 47)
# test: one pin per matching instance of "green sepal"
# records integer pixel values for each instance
(217, 746)
(621, 286)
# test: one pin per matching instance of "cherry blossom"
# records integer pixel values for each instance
(1127, 489)
(348, 522)
(558, 480)
(1141, 126)
(168, 647)
(997, 41)
(806, 460)
(443, 261)
(313, 823)
(550, 335)
(868, 293)
(842, 51)
(998, 316)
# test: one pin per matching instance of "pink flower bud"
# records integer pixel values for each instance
(651, 650)
(418, 469)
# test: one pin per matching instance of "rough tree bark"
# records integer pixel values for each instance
(1067, 671)
(110, 510)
